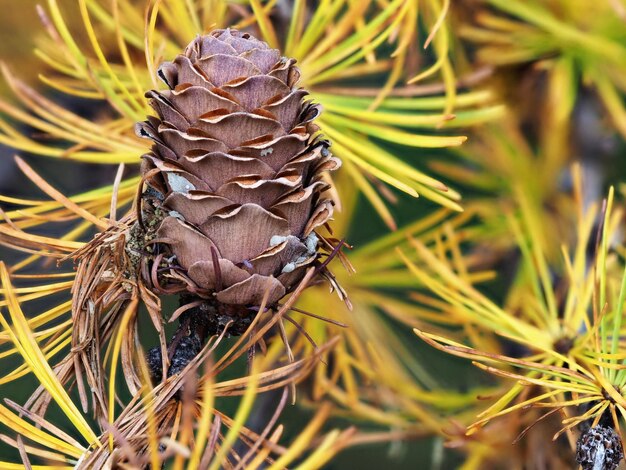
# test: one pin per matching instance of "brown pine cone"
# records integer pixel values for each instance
(235, 172)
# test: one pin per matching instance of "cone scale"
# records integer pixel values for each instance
(234, 189)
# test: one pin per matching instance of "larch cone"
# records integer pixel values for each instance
(234, 188)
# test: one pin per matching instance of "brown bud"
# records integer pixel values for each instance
(599, 448)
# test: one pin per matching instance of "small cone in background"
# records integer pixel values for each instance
(234, 179)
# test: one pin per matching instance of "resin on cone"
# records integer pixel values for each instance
(234, 179)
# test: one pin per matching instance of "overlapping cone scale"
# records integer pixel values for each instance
(236, 166)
